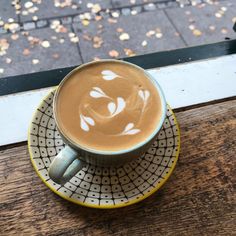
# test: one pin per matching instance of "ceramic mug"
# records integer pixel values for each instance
(73, 157)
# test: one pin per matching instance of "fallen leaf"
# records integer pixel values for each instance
(159, 35)
(4, 45)
(197, 32)
(54, 24)
(14, 36)
(24, 13)
(212, 27)
(10, 20)
(61, 29)
(218, 15)
(115, 14)
(134, 12)
(96, 8)
(89, 5)
(113, 53)
(85, 22)
(98, 18)
(8, 60)
(71, 34)
(129, 52)
(119, 30)
(55, 55)
(74, 39)
(45, 44)
(112, 21)
(144, 43)
(87, 37)
(28, 4)
(34, 18)
(33, 9)
(150, 33)
(224, 31)
(223, 8)
(35, 61)
(124, 37)
(26, 52)
(191, 27)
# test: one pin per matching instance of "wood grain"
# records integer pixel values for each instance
(198, 199)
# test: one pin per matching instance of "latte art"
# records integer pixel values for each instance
(109, 106)
(114, 106)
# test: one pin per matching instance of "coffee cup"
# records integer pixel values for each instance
(107, 112)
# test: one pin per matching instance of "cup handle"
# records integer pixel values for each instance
(65, 165)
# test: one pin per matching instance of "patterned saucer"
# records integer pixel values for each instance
(104, 187)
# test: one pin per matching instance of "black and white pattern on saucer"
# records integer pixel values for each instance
(104, 187)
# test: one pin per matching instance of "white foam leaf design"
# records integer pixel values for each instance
(120, 105)
(129, 126)
(111, 107)
(141, 94)
(129, 130)
(83, 125)
(97, 93)
(132, 131)
(144, 94)
(89, 120)
(109, 75)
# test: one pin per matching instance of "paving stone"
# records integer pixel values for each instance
(104, 36)
(126, 3)
(41, 23)
(47, 9)
(149, 7)
(125, 11)
(66, 20)
(172, 4)
(7, 11)
(200, 24)
(2, 30)
(58, 55)
(137, 9)
(29, 26)
(162, 5)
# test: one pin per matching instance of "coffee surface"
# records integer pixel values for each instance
(108, 106)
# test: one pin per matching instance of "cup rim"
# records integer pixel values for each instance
(107, 152)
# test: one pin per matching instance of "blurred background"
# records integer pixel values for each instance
(41, 35)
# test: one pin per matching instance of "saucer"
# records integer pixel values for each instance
(104, 187)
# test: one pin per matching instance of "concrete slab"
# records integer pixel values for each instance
(128, 35)
(41, 49)
(7, 11)
(49, 9)
(205, 23)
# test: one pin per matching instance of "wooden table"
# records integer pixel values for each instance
(198, 199)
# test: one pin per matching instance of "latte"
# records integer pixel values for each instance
(108, 106)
